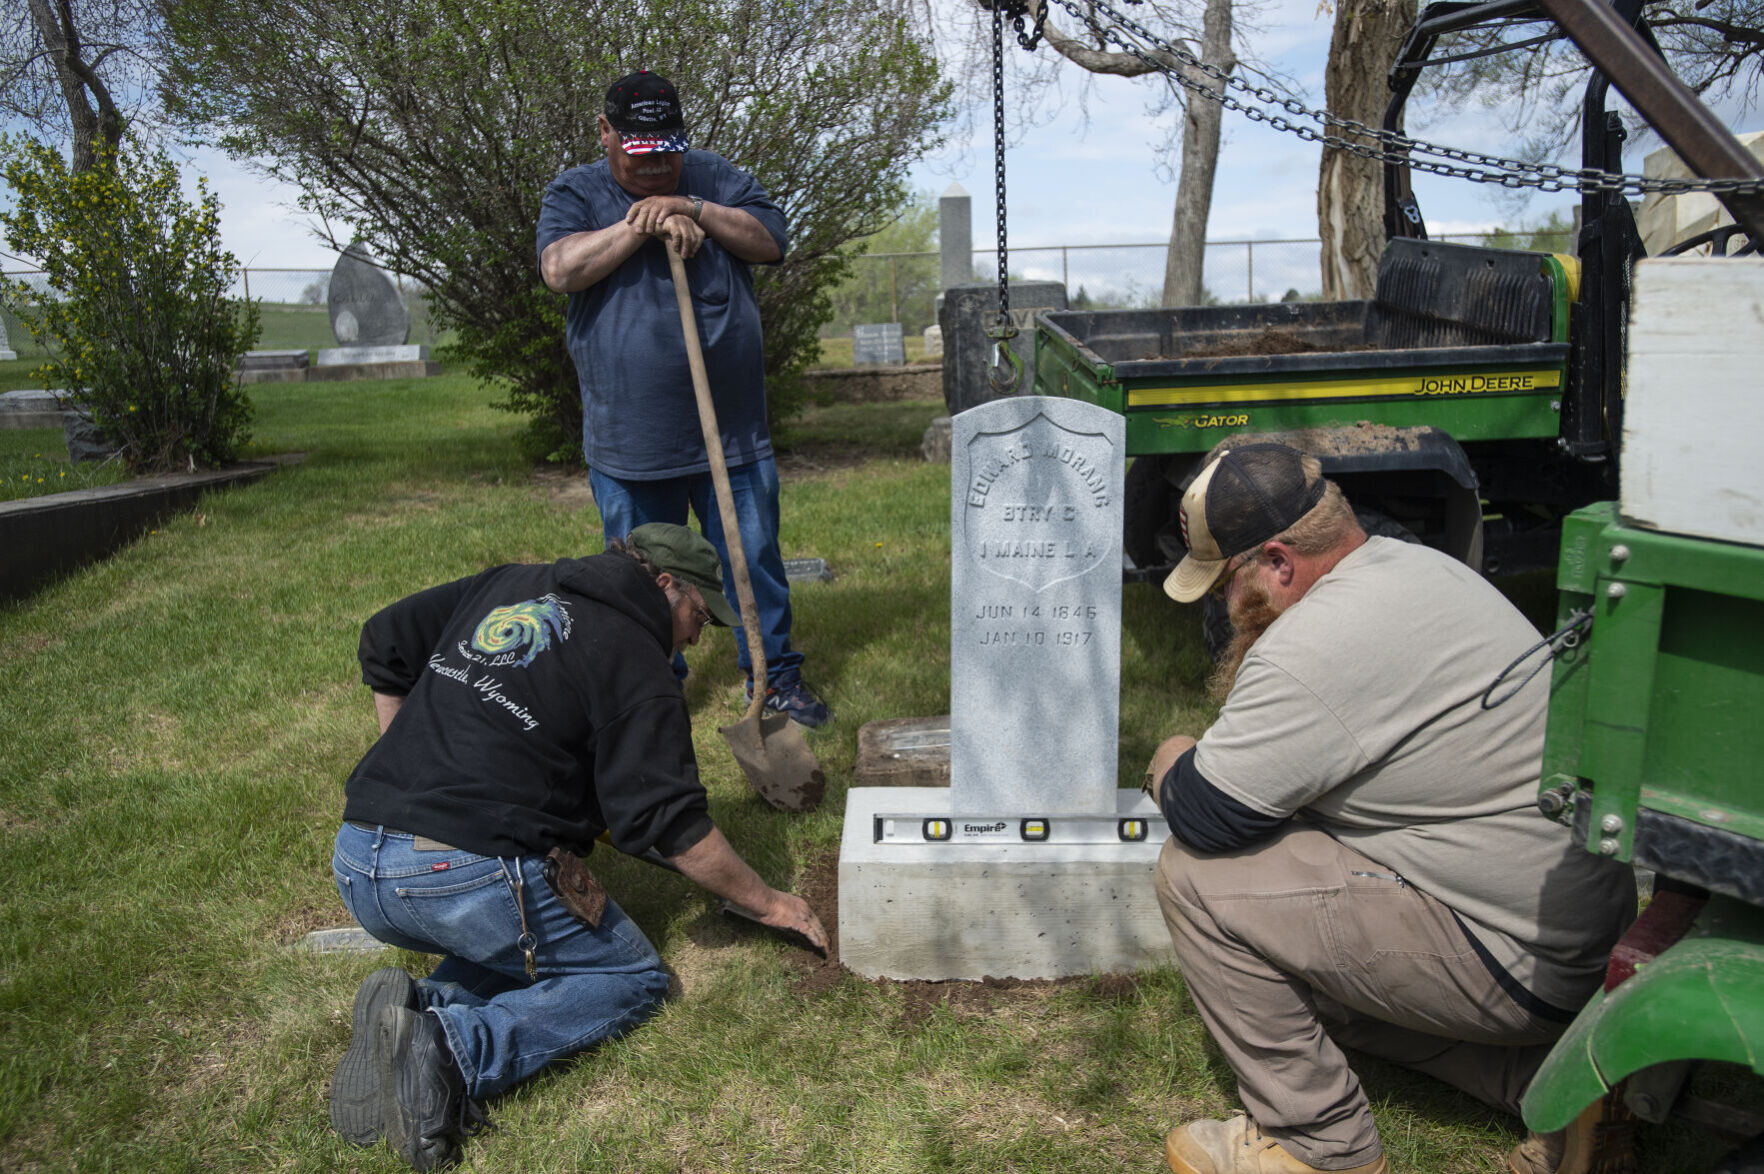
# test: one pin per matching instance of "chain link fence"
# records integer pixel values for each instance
(291, 303)
(901, 287)
(883, 287)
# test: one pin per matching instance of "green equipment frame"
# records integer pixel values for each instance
(1656, 735)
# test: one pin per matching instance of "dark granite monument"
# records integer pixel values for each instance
(967, 312)
(366, 307)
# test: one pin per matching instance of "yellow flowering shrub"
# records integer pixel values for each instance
(136, 316)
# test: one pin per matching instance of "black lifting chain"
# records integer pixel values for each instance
(1384, 146)
(1006, 370)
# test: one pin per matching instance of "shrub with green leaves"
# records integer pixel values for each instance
(433, 126)
(136, 316)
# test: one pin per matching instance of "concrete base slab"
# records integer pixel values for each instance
(903, 752)
(352, 356)
(401, 370)
(952, 910)
(260, 360)
(249, 376)
(31, 408)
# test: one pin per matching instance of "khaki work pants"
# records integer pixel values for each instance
(1297, 945)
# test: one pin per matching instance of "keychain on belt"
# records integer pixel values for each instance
(526, 941)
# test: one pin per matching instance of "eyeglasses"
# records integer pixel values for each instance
(1236, 564)
(700, 612)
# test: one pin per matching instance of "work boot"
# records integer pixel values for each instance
(1599, 1141)
(424, 1108)
(355, 1086)
(1238, 1146)
(1539, 1153)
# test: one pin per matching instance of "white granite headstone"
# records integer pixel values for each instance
(1035, 598)
(6, 351)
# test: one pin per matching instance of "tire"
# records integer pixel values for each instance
(1748, 1159)
(1148, 505)
(1382, 525)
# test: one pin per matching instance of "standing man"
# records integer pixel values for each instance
(603, 231)
(1356, 855)
(521, 710)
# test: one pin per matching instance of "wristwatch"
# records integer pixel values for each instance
(697, 207)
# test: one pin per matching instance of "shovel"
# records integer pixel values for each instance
(769, 747)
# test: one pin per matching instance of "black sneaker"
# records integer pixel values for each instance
(425, 1111)
(798, 701)
(355, 1086)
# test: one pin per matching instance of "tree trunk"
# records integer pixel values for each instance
(1350, 189)
(62, 42)
(1186, 258)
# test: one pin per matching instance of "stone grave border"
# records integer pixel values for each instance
(49, 536)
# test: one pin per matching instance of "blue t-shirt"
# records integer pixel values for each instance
(639, 415)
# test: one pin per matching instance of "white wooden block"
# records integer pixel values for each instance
(1693, 419)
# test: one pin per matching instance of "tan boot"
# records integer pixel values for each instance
(1599, 1141)
(1539, 1153)
(1237, 1146)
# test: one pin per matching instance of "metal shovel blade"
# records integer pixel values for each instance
(777, 761)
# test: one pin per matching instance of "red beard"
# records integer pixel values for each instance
(1251, 613)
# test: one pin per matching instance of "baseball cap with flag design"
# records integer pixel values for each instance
(644, 108)
(1246, 496)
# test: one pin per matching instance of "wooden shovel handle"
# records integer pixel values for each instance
(713, 447)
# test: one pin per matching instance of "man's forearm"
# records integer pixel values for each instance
(581, 259)
(741, 233)
(737, 230)
(386, 707)
(714, 865)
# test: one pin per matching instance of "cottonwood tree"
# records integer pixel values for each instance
(1715, 46)
(79, 70)
(431, 127)
(1212, 31)
(1363, 45)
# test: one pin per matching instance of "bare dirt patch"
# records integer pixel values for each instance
(28, 647)
(565, 487)
(822, 457)
(306, 915)
(816, 976)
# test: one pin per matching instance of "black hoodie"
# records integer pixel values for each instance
(540, 709)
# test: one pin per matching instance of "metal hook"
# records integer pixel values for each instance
(1004, 359)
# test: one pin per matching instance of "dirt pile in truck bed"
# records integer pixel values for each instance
(1267, 342)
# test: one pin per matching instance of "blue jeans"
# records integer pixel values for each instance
(501, 1028)
(625, 505)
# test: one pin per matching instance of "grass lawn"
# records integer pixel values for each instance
(180, 718)
(16, 374)
(33, 461)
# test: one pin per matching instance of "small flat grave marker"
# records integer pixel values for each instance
(879, 343)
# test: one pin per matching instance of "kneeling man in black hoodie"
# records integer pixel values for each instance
(523, 709)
